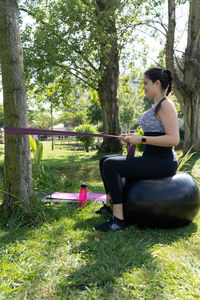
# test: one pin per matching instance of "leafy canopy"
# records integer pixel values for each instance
(67, 40)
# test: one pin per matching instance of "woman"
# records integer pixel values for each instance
(161, 133)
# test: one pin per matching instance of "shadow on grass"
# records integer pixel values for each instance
(74, 168)
(15, 231)
(102, 259)
(110, 257)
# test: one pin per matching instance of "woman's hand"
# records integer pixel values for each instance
(132, 138)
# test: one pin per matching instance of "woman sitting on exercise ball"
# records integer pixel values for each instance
(161, 133)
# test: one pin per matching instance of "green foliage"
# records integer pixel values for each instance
(70, 40)
(79, 117)
(39, 173)
(1, 116)
(182, 162)
(41, 118)
(74, 116)
(100, 127)
(127, 113)
(94, 113)
(61, 257)
(130, 102)
(177, 105)
(140, 147)
(161, 58)
(23, 215)
(148, 103)
(33, 145)
(79, 43)
(94, 110)
(37, 149)
(87, 141)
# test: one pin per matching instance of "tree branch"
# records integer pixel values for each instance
(81, 79)
(178, 64)
(86, 59)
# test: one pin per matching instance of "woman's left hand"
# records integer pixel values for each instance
(133, 139)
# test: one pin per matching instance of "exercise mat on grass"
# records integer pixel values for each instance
(72, 197)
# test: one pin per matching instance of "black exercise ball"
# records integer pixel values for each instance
(164, 203)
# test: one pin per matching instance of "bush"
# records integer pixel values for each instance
(87, 141)
(100, 128)
(140, 147)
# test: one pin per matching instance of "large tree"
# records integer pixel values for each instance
(81, 41)
(17, 164)
(186, 72)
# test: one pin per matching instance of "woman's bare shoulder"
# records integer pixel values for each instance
(168, 105)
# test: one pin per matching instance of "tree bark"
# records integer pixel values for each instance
(52, 138)
(17, 163)
(108, 82)
(192, 123)
(170, 35)
(187, 79)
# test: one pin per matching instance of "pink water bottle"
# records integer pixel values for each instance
(83, 195)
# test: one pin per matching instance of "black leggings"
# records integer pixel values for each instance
(114, 167)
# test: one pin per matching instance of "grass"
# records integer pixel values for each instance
(62, 258)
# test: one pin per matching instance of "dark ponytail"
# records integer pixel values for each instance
(170, 79)
(165, 78)
(158, 106)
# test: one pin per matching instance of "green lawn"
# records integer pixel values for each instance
(62, 258)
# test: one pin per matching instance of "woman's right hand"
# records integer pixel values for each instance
(124, 136)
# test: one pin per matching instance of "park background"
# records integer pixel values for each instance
(53, 254)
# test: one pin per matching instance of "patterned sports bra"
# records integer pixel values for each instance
(149, 122)
(152, 126)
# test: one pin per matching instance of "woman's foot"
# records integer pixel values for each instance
(114, 224)
(104, 210)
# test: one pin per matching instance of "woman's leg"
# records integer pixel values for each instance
(105, 209)
(136, 168)
(118, 211)
(102, 172)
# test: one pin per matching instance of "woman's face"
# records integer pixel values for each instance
(150, 87)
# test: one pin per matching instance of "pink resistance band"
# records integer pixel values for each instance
(29, 131)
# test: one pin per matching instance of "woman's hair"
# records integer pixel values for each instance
(165, 78)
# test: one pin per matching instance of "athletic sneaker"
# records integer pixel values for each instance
(104, 210)
(114, 224)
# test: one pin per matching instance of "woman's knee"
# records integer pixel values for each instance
(107, 164)
(105, 158)
(101, 161)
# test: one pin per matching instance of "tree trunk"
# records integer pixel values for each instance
(107, 92)
(52, 138)
(187, 79)
(170, 35)
(192, 123)
(17, 164)
(108, 82)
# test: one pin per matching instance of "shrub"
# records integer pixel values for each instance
(87, 141)
(140, 147)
